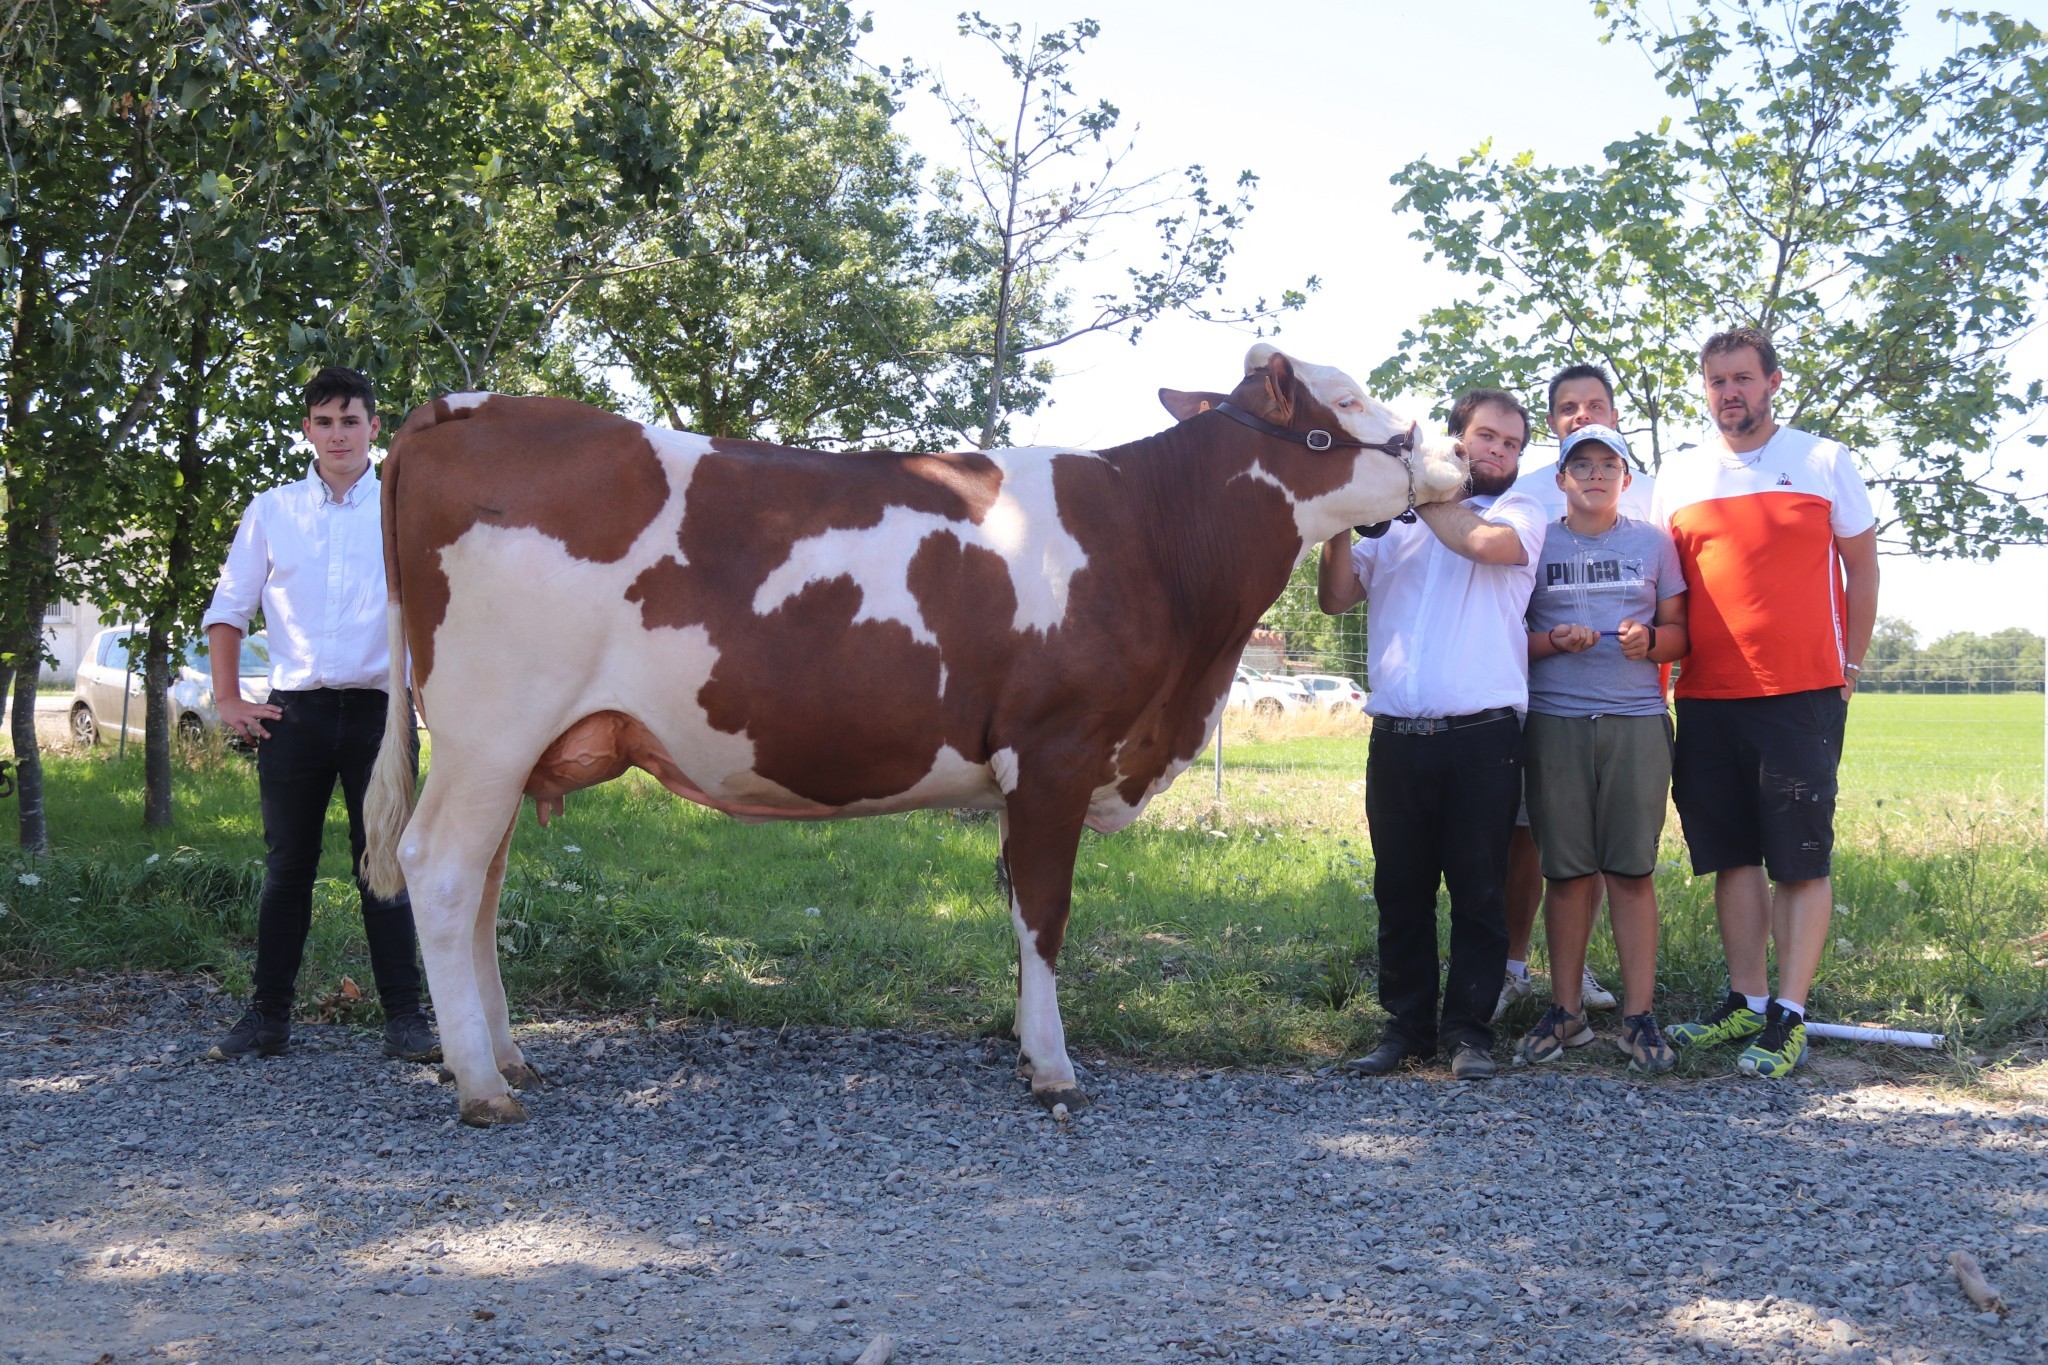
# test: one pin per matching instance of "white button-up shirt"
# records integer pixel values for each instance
(315, 564)
(1444, 635)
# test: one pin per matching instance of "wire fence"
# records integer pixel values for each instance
(1960, 724)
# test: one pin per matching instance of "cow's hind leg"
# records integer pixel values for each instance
(447, 852)
(1040, 838)
(512, 1064)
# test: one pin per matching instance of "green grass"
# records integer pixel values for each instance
(1207, 934)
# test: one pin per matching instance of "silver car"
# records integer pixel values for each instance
(108, 696)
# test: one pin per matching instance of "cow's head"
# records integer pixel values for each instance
(1343, 485)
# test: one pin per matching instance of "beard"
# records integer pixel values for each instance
(1740, 421)
(1492, 485)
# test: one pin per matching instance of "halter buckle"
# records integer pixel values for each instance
(1318, 439)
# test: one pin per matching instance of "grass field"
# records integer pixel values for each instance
(1209, 933)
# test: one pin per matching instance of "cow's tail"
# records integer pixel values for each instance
(387, 809)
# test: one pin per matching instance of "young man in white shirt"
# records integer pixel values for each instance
(1580, 396)
(311, 555)
(1450, 677)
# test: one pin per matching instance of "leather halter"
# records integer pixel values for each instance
(1402, 448)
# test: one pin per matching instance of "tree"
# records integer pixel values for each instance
(1885, 225)
(1031, 203)
(787, 296)
(201, 204)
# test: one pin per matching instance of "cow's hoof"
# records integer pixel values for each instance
(522, 1076)
(490, 1113)
(1072, 1096)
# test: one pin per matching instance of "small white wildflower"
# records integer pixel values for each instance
(813, 911)
(1904, 885)
(602, 898)
(76, 900)
(551, 882)
(572, 887)
(151, 858)
(571, 848)
(29, 879)
(3, 909)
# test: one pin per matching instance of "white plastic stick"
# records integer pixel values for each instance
(1856, 1033)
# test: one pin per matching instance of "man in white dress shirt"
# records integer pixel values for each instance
(1449, 663)
(311, 556)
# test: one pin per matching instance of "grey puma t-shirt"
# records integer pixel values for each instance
(1600, 581)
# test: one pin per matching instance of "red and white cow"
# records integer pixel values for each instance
(789, 634)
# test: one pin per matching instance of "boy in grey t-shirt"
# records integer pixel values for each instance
(1608, 608)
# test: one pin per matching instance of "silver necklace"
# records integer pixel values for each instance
(1582, 567)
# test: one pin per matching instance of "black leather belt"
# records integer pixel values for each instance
(1435, 725)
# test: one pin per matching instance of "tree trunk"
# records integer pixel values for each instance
(159, 670)
(1015, 176)
(28, 759)
(156, 727)
(30, 553)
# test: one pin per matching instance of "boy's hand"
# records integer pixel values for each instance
(1573, 639)
(1634, 638)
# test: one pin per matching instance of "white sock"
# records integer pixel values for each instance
(1797, 1007)
(1518, 970)
(1759, 1003)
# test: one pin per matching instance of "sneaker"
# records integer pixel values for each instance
(1780, 1047)
(410, 1037)
(1557, 1030)
(254, 1032)
(1512, 989)
(1734, 1021)
(1593, 995)
(1644, 1043)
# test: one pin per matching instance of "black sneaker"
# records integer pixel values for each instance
(410, 1038)
(254, 1032)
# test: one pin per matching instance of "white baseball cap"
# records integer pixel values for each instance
(1607, 436)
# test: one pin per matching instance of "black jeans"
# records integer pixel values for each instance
(325, 735)
(1442, 806)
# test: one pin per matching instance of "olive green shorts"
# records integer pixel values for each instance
(1597, 788)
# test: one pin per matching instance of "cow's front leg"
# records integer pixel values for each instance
(1040, 838)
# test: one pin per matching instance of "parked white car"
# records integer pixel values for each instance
(1268, 697)
(1333, 692)
(103, 677)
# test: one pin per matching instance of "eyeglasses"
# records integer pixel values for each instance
(1587, 469)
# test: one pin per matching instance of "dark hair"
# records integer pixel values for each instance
(1469, 403)
(339, 382)
(1741, 338)
(1571, 372)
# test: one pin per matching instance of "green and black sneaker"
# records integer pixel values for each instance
(1731, 1023)
(1779, 1048)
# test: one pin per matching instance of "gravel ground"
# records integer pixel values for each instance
(718, 1193)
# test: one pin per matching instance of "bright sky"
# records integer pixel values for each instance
(1326, 99)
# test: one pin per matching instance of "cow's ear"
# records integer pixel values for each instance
(1186, 405)
(1279, 376)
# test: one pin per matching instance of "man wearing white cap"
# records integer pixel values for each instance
(1608, 607)
(1580, 396)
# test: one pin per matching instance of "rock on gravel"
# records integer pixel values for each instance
(725, 1194)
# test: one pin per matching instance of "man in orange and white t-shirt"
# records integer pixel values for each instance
(1779, 549)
